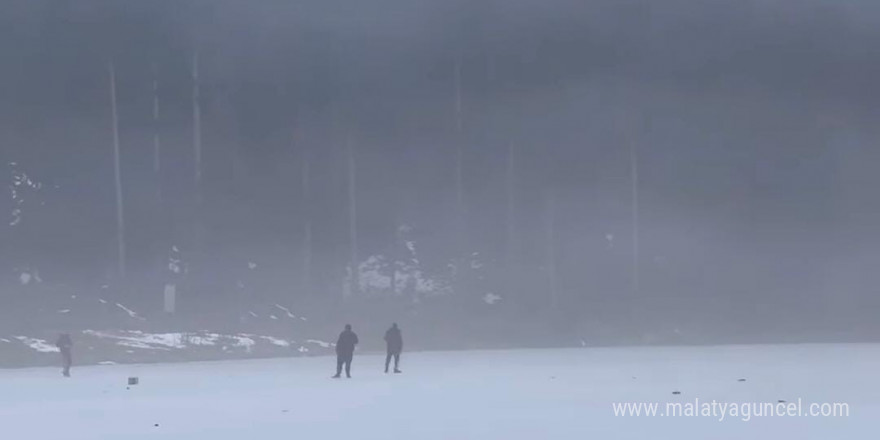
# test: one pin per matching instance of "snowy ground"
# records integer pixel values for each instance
(509, 395)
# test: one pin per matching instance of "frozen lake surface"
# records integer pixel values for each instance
(505, 395)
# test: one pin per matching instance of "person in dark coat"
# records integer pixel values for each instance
(345, 351)
(65, 345)
(394, 346)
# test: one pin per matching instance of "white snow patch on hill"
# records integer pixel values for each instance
(130, 312)
(179, 341)
(206, 339)
(491, 298)
(37, 344)
(276, 341)
(289, 313)
(321, 343)
(244, 341)
(139, 339)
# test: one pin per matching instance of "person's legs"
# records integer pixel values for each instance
(67, 361)
(388, 361)
(348, 360)
(397, 362)
(339, 361)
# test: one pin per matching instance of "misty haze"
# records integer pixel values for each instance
(439, 219)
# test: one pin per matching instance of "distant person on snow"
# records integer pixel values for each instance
(345, 351)
(65, 345)
(394, 345)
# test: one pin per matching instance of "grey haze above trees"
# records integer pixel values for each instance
(484, 150)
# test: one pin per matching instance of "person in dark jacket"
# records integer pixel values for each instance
(394, 346)
(345, 351)
(65, 345)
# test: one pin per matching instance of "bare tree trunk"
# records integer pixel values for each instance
(634, 167)
(511, 280)
(157, 149)
(459, 125)
(393, 261)
(197, 219)
(551, 249)
(459, 162)
(394, 255)
(352, 217)
(157, 141)
(460, 223)
(117, 168)
(197, 128)
(307, 224)
(510, 183)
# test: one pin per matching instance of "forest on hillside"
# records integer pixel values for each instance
(447, 160)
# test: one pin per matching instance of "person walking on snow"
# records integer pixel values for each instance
(345, 351)
(394, 346)
(65, 345)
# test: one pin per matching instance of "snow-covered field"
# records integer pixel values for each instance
(509, 395)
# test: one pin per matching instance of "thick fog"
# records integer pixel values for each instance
(497, 173)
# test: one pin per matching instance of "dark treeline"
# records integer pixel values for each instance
(611, 162)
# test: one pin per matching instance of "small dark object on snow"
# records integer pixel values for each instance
(128, 388)
(741, 380)
(133, 381)
(781, 401)
(156, 425)
(285, 410)
(676, 392)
